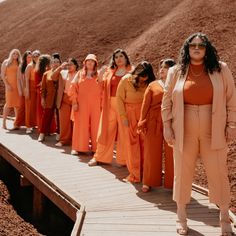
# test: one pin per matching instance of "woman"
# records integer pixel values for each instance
(199, 115)
(9, 70)
(129, 94)
(110, 128)
(30, 93)
(85, 93)
(48, 94)
(63, 101)
(150, 124)
(20, 117)
(42, 66)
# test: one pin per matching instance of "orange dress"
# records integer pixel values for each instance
(30, 103)
(129, 101)
(12, 96)
(86, 92)
(151, 123)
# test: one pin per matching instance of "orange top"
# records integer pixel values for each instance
(198, 89)
(114, 84)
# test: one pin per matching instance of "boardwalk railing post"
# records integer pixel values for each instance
(80, 215)
(37, 204)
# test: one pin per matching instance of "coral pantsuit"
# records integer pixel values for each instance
(110, 126)
(200, 128)
(129, 101)
(86, 93)
(30, 102)
(153, 140)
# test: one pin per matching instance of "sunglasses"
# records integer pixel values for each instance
(197, 45)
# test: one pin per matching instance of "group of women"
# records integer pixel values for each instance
(126, 107)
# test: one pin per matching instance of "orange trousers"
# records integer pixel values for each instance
(65, 121)
(115, 129)
(30, 110)
(197, 141)
(20, 114)
(153, 153)
(134, 143)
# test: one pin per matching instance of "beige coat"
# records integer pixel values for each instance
(223, 107)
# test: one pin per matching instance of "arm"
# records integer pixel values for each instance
(27, 78)
(56, 73)
(74, 91)
(120, 98)
(19, 82)
(3, 75)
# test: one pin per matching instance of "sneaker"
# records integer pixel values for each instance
(29, 130)
(59, 144)
(74, 152)
(57, 137)
(41, 137)
(92, 162)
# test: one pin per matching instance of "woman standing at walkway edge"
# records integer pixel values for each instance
(199, 115)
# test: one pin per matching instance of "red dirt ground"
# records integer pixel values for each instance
(147, 29)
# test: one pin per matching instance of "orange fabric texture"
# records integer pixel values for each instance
(151, 123)
(198, 82)
(12, 96)
(86, 93)
(30, 103)
(20, 113)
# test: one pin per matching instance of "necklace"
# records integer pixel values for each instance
(120, 72)
(194, 74)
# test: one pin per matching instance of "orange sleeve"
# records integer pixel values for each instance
(74, 93)
(147, 99)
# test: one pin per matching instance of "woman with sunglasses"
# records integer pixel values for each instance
(199, 115)
(130, 94)
(64, 74)
(150, 124)
(30, 93)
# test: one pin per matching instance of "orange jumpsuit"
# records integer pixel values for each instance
(110, 126)
(86, 93)
(30, 103)
(129, 101)
(151, 124)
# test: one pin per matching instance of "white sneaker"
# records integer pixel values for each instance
(59, 144)
(57, 137)
(41, 137)
(29, 130)
(74, 152)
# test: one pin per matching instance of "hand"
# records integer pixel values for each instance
(125, 122)
(230, 134)
(64, 65)
(43, 103)
(169, 135)
(142, 129)
(75, 107)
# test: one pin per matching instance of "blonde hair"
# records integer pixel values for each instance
(10, 57)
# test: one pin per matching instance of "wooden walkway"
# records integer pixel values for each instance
(112, 207)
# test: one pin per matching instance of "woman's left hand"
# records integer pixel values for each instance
(230, 134)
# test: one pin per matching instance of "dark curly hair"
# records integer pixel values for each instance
(143, 69)
(211, 59)
(43, 62)
(113, 63)
(24, 61)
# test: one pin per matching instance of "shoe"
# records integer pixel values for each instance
(59, 144)
(57, 137)
(181, 227)
(74, 152)
(92, 162)
(41, 137)
(28, 130)
(145, 188)
(15, 128)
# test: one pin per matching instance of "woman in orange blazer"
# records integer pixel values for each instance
(85, 93)
(130, 94)
(48, 95)
(199, 115)
(9, 70)
(64, 74)
(150, 124)
(30, 93)
(110, 128)
(20, 117)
